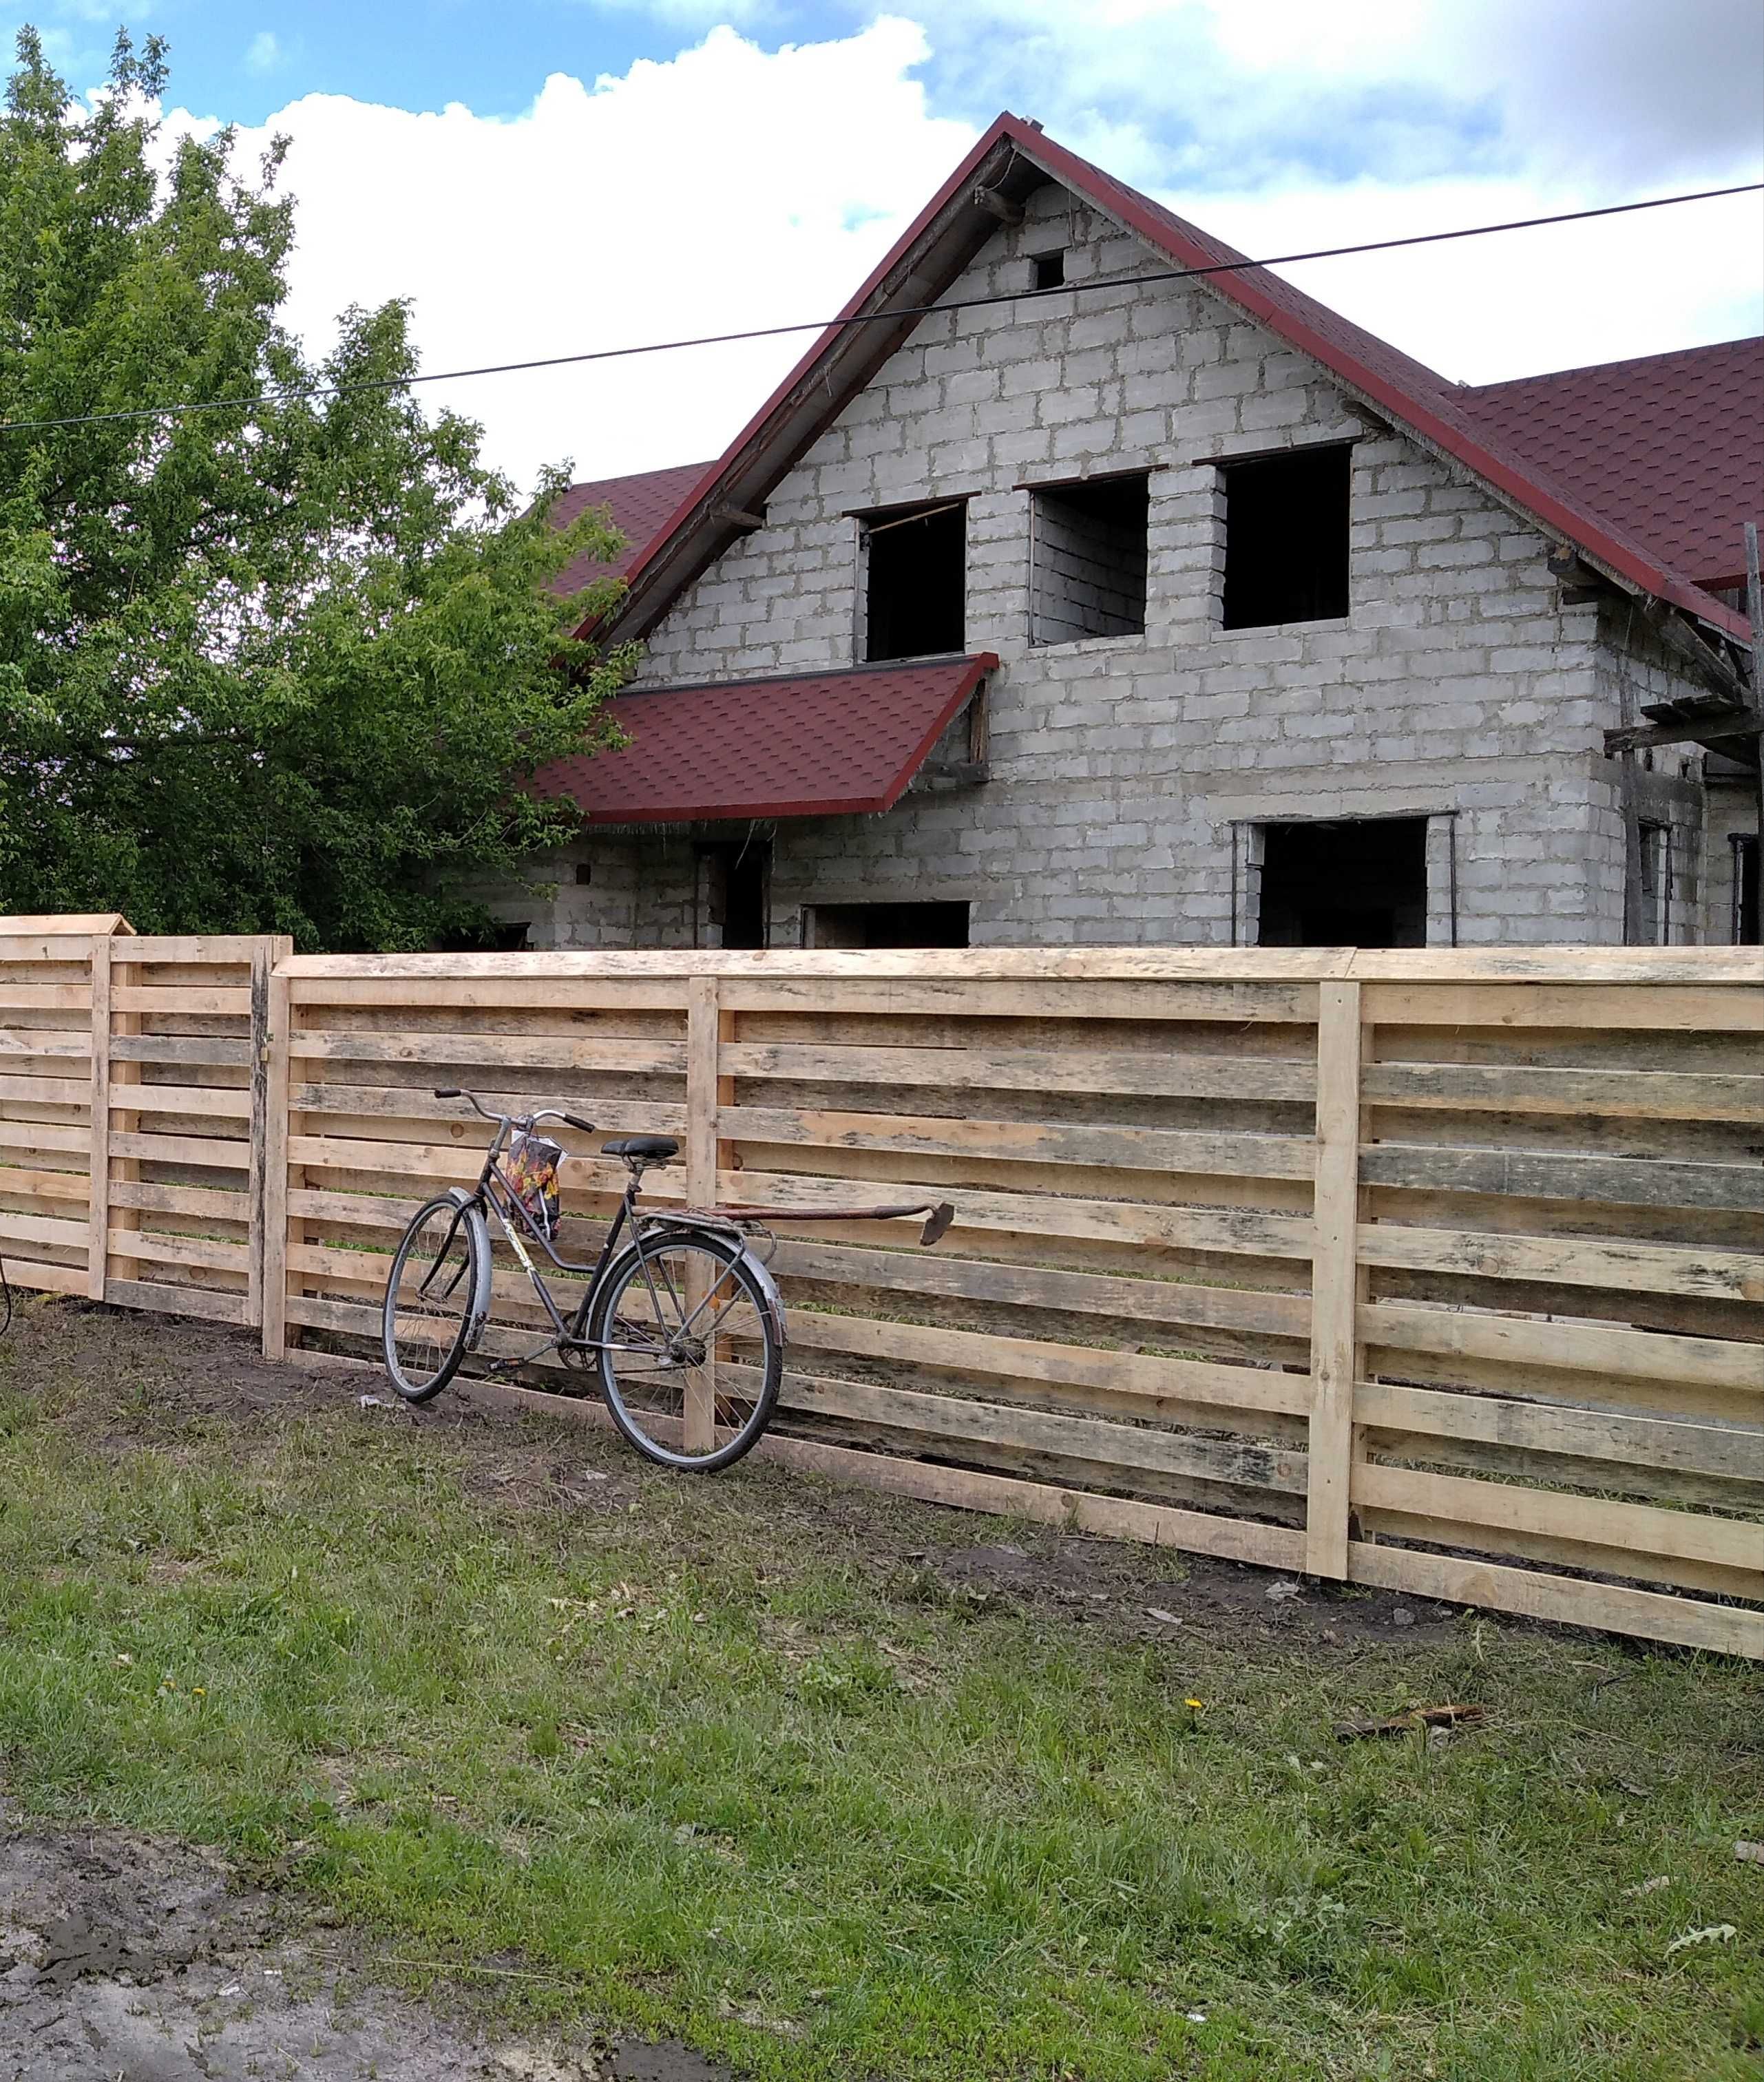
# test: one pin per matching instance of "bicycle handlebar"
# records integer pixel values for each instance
(531, 1119)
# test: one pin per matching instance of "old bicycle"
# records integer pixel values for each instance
(680, 1320)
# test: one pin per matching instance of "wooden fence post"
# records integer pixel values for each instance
(703, 994)
(1334, 1280)
(98, 1184)
(270, 1209)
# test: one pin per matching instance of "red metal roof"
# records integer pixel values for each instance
(1670, 446)
(642, 506)
(1440, 412)
(812, 744)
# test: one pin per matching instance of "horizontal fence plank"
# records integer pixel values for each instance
(213, 1050)
(226, 1155)
(1087, 1439)
(1227, 1230)
(1229, 1155)
(209, 1303)
(1736, 1543)
(1658, 1008)
(1183, 1382)
(414, 1102)
(46, 1042)
(46, 1091)
(540, 987)
(17, 1183)
(1170, 1075)
(932, 998)
(43, 1278)
(209, 1202)
(45, 997)
(1523, 1088)
(180, 997)
(1727, 1450)
(1715, 1275)
(541, 1051)
(65, 1232)
(215, 1101)
(1707, 967)
(1656, 1615)
(163, 1250)
(1182, 1304)
(1630, 1355)
(1627, 1181)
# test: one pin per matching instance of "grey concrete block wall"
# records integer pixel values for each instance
(1460, 685)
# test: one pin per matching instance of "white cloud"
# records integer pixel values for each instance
(733, 186)
(728, 189)
(263, 53)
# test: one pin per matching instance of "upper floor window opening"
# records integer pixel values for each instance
(1048, 270)
(1286, 537)
(1088, 554)
(915, 581)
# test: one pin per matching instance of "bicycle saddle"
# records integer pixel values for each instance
(656, 1148)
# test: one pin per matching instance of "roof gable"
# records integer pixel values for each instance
(1012, 159)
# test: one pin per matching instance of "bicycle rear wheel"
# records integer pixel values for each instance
(691, 1349)
(437, 1296)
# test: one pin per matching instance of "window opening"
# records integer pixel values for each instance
(1747, 925)
(736, 893)
(942, 924)
(1090, 553)
(916, 593)
(1360, 881)
(1654, 887)
(1049, 269)
(1286, 538)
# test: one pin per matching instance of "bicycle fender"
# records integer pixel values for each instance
(474, 1216)
(762, 1272)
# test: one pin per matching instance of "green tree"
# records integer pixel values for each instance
(285, 666)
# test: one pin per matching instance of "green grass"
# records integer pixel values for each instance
(718, 1760)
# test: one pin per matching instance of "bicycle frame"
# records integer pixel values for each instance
(494, 1193)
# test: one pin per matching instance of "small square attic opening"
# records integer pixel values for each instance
(1090, 559)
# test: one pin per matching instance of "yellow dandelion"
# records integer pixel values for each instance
(1196, 1704)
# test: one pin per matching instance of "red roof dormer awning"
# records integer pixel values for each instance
(804, 745)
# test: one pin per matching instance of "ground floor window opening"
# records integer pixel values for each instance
(885, 925)
(1354, 881)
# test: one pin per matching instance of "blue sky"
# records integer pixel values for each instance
(610, 170)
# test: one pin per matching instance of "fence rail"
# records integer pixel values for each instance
(1441, 1272)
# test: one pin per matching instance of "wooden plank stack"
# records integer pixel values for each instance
(1443, 1272)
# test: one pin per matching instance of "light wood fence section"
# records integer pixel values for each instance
(132, 1116)
(1439, 1272)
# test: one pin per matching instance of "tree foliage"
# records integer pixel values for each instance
(285, 666)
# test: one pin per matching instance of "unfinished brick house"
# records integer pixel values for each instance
(1140, 606)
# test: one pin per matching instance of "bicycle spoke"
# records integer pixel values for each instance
(690, 1358)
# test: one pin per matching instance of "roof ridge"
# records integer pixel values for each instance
(1425, 403)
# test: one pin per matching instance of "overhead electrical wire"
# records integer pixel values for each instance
(890, 316)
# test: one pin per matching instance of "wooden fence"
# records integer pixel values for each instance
(1442, 1272)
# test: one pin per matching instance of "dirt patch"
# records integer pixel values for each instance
(122, 1955)
(141, 1379)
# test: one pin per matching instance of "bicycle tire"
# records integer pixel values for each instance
(452, 1317)
(641, 1402)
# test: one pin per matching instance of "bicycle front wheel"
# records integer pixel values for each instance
(691, 1350)
(437, 1296)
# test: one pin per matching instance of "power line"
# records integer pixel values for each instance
(891, 316)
